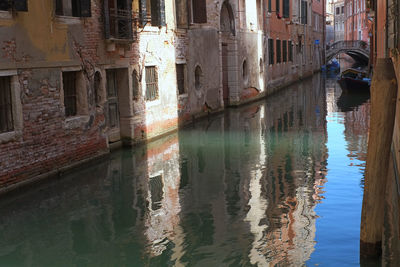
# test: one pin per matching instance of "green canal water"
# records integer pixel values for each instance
(275, 183)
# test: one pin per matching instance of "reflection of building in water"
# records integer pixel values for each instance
(356, 131)
(296, 168)
(162, 186)
(333, 92)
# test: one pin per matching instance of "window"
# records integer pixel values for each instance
(118, 19)
(181, 13)
(75, 103)
(152, 11)
(337, 10)
(151, 83)
(156, 186)
(290, 48)
(6, 115)
(284, 49)
(135, 85)
(277, 6)
(278, 51)
(198, 73)
(342, 9)
(17, 5)
(73, 8)
(199, 11)
(304, 13)
(97, 87)
(69, 86)
(269, 6)
(285, 8)
(180, 78)
(271, 51)
(245, 72)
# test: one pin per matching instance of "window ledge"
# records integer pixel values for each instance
(185, 95)
(68, 19)
(153, 103)
(5, 14)
(76, 121)
(9, 136)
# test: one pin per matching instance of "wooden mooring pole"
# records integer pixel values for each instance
(383, 107)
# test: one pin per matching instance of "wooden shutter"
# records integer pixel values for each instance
(269, 6)
(142, 12)
(277, 6)
(181, 13)
(161, 12)
(199, 11)
(85, 6)
(20, 5)
(285, 8)
(106, 19)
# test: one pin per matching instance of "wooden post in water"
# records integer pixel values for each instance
(383, 107)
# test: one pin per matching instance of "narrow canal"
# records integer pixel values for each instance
(276, 182)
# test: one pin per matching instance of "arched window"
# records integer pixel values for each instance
(198, 73)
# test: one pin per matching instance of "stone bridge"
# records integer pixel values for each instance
(359, 50)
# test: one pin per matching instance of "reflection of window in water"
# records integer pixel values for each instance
(200, 160)
(156, 190)
(184, 174)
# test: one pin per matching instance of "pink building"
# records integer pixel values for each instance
(356, 22)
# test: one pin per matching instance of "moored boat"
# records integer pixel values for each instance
(354, 80)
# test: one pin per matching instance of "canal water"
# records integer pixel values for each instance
(274, 183)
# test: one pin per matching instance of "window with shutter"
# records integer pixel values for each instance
(151, 83)
(181, 13)
(271, 51)
(303, 12)
(290, 48)
(284, 50)
(278, 51)
(6, 115)
(269, 6)
(199, 11)
(286, 8)
(73, 8)
(277, 6)
(152, 11)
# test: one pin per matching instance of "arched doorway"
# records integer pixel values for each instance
(228, 52)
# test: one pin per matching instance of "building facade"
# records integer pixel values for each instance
(80, 77)
(339, 20)
(356, 24)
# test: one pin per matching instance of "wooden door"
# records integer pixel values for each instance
(225, 74)
(112, 115)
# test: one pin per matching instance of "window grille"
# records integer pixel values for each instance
(69, 86)
(118, 19)
(6, 116)
(151, 83)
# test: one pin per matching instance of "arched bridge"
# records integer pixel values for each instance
(359, 50)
